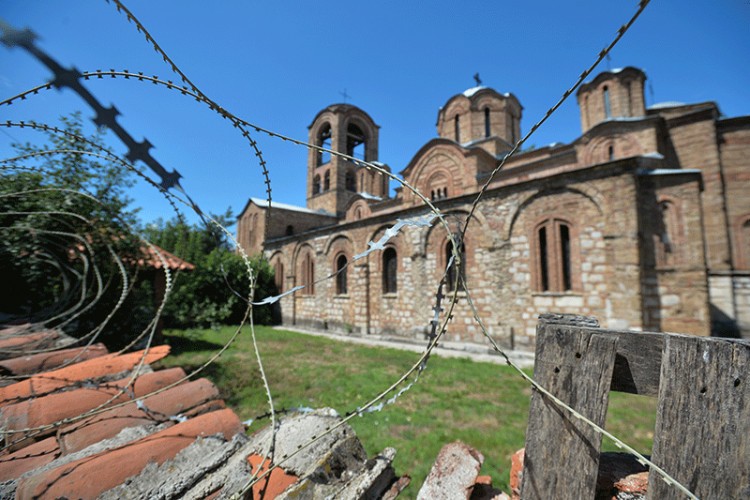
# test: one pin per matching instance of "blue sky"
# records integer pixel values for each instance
(278, 63)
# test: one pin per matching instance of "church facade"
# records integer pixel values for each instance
(642, 222)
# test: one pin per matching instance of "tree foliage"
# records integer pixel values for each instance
(215, 292)
(66, 231)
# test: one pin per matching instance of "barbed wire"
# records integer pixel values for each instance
(139, 151)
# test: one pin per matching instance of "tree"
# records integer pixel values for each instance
(67, 248)
(216, 291)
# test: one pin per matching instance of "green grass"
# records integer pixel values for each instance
(482, 404)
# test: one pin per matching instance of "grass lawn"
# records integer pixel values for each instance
(481, 404)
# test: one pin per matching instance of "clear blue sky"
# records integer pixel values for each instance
(278, 63)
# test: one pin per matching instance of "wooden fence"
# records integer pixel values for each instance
(702, 433)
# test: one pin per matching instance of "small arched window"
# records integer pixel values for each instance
(554, 256)
(327, 181)
(390, 270)
(278, 276)
(350, 182)
(743, 240)
(487, 125)
(316, 185)
(667, 237)
(611, 152)
(307, 272)
(341, 269)
(455, 272)
(457, 129)
(607, 108)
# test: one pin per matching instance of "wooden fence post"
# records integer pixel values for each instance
(575, 364)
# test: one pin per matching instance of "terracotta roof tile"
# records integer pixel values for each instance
(13, 345)
(173, 262)
(34, 363)
(187, 399)
(91, 476)
(37, 412)
(90, 369)
(273, 484)
(28, 458)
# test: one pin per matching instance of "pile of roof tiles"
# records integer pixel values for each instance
(80, 422)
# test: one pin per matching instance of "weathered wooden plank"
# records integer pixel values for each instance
(638, 360)
(576, 366)
(702, 435)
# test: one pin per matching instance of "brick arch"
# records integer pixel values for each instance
(299, 255)
(440, 160)
(587, 192)
(597, 149)
(362, 206)
(338, 243)
(278, 262)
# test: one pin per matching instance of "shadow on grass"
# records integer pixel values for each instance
(188, 343)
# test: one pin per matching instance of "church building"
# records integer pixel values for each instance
(642, 222)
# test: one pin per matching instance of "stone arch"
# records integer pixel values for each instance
(588, 192)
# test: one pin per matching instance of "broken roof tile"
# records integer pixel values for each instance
(112, 468)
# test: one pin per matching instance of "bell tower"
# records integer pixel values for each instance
(332, 180)
(613, 94)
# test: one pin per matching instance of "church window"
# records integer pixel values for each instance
(289, 230)
(355, 142)
(611, 152)
(455, 272)
(341, 285)
(390, 270)
(743, 240)
(324, 141)
(350, 182)
(327, 181)
(554, 266)
(278, 276)
(316, 185)
(358, 213)
(308, 274)
(666, 249)
(607, 108)
(487, 122)
(457, 129)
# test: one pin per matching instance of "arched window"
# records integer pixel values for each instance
(457, 129)
(307, 272)
(743, 240)
(316, 185)
(350, 182)
(667, 234)
(358, 213)
(289, 230)
(554, 271)
(607, 109)
(487, 122)
(327, 181)
(324, 141)
(278, 276)
(390, 270)
(355, 142)
(611, 152)
(341, 269)
(455, 272)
